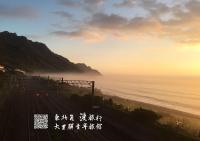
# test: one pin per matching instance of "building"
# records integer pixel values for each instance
(2, 68)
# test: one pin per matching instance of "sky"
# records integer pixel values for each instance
(142, 37)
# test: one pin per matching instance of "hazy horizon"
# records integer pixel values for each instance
(178, 93)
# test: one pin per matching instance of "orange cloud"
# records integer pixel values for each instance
(181, 23)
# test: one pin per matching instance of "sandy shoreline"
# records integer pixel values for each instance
(190, 122)
(155, 108)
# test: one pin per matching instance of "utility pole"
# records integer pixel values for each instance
(93, 85)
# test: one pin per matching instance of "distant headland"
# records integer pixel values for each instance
(21, 53)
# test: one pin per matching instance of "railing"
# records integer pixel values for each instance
(22, 82)
(80, 84)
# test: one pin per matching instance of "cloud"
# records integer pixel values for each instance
(184, 28)
(193, 7)
(121, 27)
(93, 6)
(94, 2)
(17, 12)
(102, 25)
(86, 5)
(104, 21)
(87, 35)
(80, 3)
(63, 14)
(125, 3)
(69, 3)
(178, 21)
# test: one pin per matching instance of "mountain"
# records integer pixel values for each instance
(19, 52)
(86, 68)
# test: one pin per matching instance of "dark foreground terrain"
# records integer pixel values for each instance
(34, 95)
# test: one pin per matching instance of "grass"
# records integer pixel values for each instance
(190, 126)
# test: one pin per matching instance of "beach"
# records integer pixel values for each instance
(175, 98)
(188, 122)
(176, 93)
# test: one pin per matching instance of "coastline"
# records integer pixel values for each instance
(188, 122)
(118, 119)
(136, 104)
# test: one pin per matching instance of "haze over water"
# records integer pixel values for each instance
(179, 93)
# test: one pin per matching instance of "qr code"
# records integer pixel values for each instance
(40, 121)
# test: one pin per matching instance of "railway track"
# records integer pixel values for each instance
(5, 119)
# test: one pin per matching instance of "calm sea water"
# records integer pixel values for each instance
(179, 93)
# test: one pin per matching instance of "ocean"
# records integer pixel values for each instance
(178, 93)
